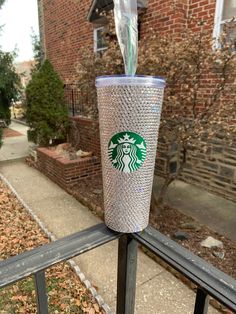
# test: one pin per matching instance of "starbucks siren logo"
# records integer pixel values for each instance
(127, 151)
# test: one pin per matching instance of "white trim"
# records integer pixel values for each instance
(95, 39)
(218, 19)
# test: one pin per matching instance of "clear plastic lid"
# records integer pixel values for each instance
(118, 80)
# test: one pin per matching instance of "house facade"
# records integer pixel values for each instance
(67, 26)
(24, 71)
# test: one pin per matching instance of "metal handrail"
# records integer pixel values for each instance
(29, 263)
(216, 283)
(210, 281)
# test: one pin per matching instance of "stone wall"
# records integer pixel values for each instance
(63, 171)
(213, 169)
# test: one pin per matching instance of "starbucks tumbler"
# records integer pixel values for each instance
(129, 118)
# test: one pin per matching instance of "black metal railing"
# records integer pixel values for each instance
(209, 280)
(75, 106)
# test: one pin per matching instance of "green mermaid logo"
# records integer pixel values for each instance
(127, 151)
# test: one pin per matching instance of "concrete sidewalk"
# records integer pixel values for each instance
(209, 209)
(157, 290)
(15, 147)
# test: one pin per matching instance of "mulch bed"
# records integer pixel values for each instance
(7, 132)
(19, 233)
(169, 221)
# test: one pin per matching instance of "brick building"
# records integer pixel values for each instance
(24, 70)
(66, 26)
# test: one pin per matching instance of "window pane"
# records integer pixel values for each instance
(100, 39)
(230, 31)
(229, 9)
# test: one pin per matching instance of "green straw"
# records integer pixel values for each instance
(125, 17)
(130, 51)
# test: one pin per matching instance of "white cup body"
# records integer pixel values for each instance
(129, 119)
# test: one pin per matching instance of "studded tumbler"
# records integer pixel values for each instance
(129, 118)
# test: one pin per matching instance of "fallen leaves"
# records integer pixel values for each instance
(19, 233)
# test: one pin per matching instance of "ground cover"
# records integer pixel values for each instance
(19, 233)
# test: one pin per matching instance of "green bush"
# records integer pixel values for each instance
(5, 113)
(46, 113)
(10, 86)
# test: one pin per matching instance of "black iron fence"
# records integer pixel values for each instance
(74, 104)
(209, 280)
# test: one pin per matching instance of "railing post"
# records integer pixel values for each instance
(41, 292)
(73, 102)
(126, 276)
(201, 302)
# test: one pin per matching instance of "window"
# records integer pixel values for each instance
(225, 12)
(99, 43)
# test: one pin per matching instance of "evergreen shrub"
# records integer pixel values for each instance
(47, 114)
(10, 85)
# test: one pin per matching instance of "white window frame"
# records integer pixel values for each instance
(218, 21)
(95, 39)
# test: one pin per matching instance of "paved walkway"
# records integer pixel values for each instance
(209, 209)
(157, 290)
(15, 147)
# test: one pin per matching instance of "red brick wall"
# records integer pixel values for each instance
(84, 135)
(202, 10)
(165, 16)
(64, 172)
(66, 31)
